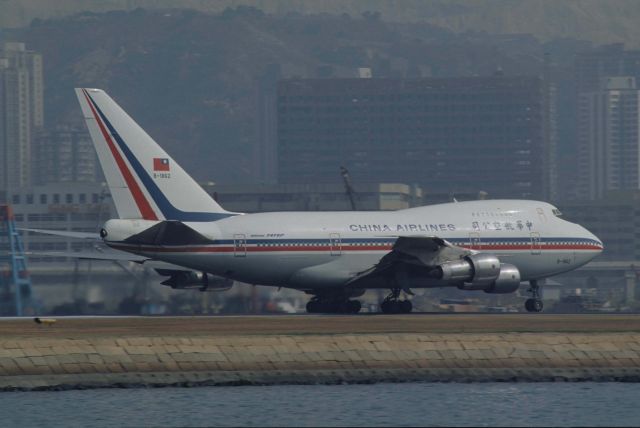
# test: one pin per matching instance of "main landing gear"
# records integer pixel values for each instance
(318, 305)
(391, 304)
(535, 303)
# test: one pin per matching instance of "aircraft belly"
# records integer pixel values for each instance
(255, 268)
(334, 273)
(279, 268)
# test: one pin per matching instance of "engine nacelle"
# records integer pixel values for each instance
(458, 271)
(185, 280)
(476, 272)
(508, 281)
(481, 272)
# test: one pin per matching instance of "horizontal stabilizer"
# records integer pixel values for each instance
(109, 255)
(66, 233)
(112, 255)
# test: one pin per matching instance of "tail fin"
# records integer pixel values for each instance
(145, 182)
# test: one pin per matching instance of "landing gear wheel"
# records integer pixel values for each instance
(353, 306)
(391, 304)
(405, 306)
(386, 307)
(533, 305)
(313, 306)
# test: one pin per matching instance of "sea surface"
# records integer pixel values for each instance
(384, 404)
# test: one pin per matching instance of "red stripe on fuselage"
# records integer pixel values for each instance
(528, 247)
(143, 205)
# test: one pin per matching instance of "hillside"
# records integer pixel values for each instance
(595, 20)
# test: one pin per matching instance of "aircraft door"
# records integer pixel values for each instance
(239, 245)
(536, 244)
(335, 244)
(474, 241)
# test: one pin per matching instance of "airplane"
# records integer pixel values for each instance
(164, 215)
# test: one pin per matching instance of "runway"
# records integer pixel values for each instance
(81, 327)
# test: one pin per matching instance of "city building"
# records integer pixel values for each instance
(80, 207)
(590, 67)
(265, 162)
(314, 197)
(64, 154)
(21, 112)
(609, 138)
(447, 135)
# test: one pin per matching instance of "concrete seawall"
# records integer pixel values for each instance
(38, 359)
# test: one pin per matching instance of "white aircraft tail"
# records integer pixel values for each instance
(145, 182)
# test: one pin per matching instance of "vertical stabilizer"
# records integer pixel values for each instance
(144, 181)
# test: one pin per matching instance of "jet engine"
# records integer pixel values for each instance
(185, 280)
(507, 282)
(481, 272)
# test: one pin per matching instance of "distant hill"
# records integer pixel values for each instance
(599, 21)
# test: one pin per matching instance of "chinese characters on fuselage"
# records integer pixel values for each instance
(502, 225)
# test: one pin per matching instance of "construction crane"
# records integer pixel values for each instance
(348, 187)
(15, 281)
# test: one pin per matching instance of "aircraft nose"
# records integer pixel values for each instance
(598, 246)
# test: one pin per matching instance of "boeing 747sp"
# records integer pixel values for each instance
(488, 245)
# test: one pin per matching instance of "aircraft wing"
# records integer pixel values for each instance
(422, 251)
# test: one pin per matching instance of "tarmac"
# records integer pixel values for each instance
(83, 352)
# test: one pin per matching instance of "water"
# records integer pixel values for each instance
(479, 404)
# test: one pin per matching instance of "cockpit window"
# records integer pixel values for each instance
(556, 212)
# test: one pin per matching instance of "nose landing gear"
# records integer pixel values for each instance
(535, 303)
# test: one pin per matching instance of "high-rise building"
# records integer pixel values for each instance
(21, 112)
(609, 138)
(448, 135)
(592, 66)
(64, 154)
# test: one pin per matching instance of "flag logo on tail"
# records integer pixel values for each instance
(161, 164)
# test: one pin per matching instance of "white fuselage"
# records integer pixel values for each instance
(314, 250)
